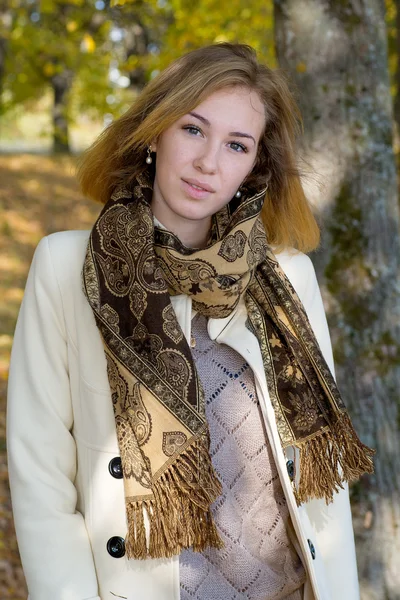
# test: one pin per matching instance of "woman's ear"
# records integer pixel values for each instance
(153, 145)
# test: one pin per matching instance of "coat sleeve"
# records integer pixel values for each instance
(333, 523)
(52, 538)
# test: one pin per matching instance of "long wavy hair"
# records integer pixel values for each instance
(118, 154)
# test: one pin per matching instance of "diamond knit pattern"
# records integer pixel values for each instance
(258, 561)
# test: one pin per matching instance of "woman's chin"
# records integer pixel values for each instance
(189, 210)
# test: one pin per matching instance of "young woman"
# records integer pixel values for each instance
(174, 428)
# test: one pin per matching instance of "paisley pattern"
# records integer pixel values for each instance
(138, 303)
(171, 326)
(258, 250)
(130, 271)
(173, 441)
(134, 462)
(129, 406)
(233, 246)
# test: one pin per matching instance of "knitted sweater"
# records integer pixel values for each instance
(258, 561)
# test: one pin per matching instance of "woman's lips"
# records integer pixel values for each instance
(195, 192)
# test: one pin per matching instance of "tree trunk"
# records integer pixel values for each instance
(136, 45)
(61, 84)
(6, 23)
(336, 54)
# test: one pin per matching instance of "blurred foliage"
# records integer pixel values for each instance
(195, 25)
(49, 38)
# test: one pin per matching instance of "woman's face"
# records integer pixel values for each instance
(202, 159)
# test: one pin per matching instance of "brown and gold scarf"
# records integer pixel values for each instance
(131, 270)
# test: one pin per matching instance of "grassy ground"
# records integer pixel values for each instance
(38, 195)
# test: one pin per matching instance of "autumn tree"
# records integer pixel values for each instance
(336, 53)
(54, 42)
(142, 25)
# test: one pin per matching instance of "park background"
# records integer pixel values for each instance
(68, 68)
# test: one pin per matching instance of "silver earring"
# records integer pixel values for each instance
(149, 160)
(238, 194)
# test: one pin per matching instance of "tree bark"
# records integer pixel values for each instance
(61, 84)
(336, 54)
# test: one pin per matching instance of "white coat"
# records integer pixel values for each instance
(61, 438)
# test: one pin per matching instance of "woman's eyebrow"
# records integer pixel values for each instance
(240, 134)
(208, 124)
(202, 119)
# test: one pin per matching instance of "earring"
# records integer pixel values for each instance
(238, 194)
(149, 160)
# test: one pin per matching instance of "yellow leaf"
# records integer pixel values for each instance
(72, 26)
(221, 38)
(88, 43)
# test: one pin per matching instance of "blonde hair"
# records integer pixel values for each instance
(118, 154)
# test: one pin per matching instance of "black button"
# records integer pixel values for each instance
(115, 467)
(312, 549)
(290, 469)
(116, 546)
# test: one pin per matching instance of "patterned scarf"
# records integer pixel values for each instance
(131, 270)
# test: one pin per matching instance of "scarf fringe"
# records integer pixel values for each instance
(179, 510)
(321, 457)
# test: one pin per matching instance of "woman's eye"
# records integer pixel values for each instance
(192, 129)
(196, 131)
(238, 147)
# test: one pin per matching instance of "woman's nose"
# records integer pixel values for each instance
(207, 160)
